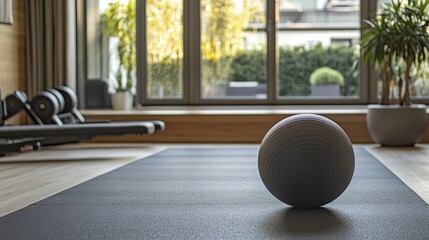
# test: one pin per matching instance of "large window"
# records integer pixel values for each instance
(164, 39)
(233, 51)
(318, 48)
(111, 42)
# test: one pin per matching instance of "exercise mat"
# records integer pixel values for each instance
(216, 193)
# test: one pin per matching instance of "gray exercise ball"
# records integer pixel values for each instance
(306, 160)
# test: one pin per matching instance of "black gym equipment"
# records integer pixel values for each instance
(13, 104)
(57, 121)
(57, 106)
(91, 130)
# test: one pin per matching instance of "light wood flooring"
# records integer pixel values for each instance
(30, 177)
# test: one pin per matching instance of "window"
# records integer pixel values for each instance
(314, 61)
(164, 41)
(233, 51)
(111, 37)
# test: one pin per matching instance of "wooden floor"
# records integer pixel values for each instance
(30, 177)
(410, 164)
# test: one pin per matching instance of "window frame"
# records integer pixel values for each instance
(192, 57)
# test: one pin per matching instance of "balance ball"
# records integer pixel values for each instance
(306, 160)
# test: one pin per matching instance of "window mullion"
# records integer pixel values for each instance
(371, 75)
(193, 43)
(186, 52)
(141, 59)
(272, 58)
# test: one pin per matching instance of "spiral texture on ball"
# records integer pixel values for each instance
(306, 160)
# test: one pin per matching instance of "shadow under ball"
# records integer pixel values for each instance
(306, 160)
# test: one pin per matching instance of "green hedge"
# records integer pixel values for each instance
(296, 66)
(168, 74)
(249, 66)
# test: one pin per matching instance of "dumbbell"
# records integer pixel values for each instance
(70, 114)
(47, 105)
(57, 106)
(14, 103)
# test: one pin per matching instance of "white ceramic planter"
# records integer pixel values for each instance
(122, 101)
(330, 90)
(394, 125)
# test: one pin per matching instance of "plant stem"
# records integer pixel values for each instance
(407, 99)
(400, 86)
(386, 80)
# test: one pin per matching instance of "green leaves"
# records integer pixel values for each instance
(223, 22)
(398, 34)
(326, 76)
(119, 20)
(297, 63)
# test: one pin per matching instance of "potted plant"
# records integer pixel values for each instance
(326, 81)
(396, 42)
(118, 21)
(123, 97)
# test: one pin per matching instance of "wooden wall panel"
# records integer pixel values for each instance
(227, 128)
(12, 53)
(12, 50)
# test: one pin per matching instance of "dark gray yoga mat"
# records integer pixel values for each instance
(216, 193)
